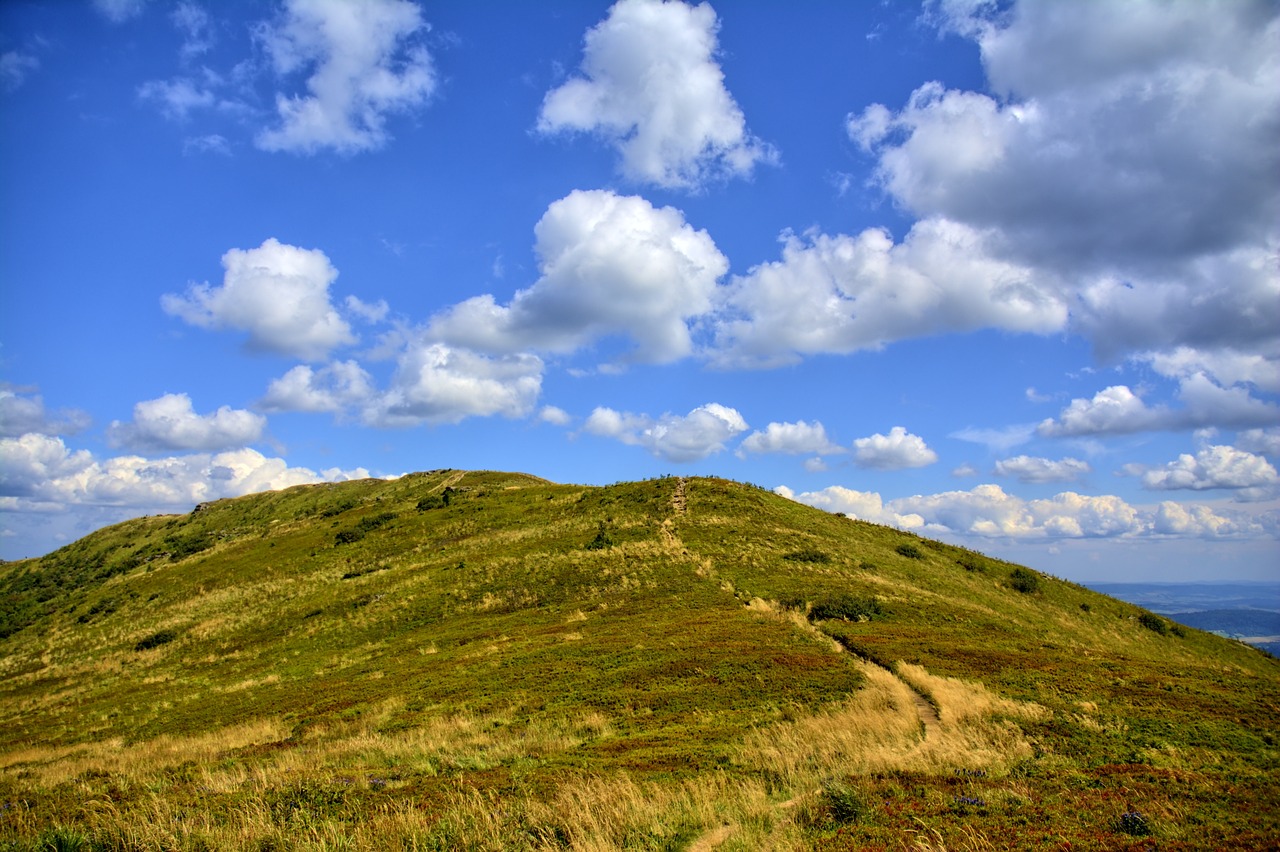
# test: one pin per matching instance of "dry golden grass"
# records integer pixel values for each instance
(879, 728)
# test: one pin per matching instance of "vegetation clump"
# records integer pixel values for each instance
(155, 640)
(910, 551)
(363, 528)
(809, 555)
(844, 802)
(1154, 623)
(1022, 580)
(846, 607)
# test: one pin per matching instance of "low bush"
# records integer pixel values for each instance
(1154, 623)
(807, 555)
(155, 640)
(1022, 580)
(847, 607)
(910, 551)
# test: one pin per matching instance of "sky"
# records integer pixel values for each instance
(1002, 274)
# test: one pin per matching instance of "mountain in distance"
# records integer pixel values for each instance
(1249, 612)
(481, 660)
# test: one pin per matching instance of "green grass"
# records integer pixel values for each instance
(465, 658)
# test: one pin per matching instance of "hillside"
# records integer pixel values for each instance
(492, 661)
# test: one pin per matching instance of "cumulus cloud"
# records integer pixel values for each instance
(435, 383)
(840, 294)
(700, 433)
(650, 85)
(333, 388)
(988, 512)
(364, 62)
(610, 265)
(38, 472)
(899, 449)
(171, 423)
(1214, 466)
(555, 416)
(1117, 410)
(278, 293)
(22, 412)
(1264, 441)
(1225, 366)
(1128, 151)
(1030, 469)
(791, 438)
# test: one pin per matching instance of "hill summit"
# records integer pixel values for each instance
(480, 660)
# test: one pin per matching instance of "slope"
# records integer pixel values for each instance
(488, 660)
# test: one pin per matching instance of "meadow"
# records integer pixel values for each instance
(481, 660)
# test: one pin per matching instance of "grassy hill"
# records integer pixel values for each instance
(478, 660)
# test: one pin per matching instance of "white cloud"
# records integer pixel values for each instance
(899, 449)
(650, 85)
(435, 383)
(1129, 153)
(610, 265)
(170, 423)
(700, 433)
(40, 473)
(193, 20)
(278, 293)
(374, 312)
(860, 505)
(791, 438)
(21, 413)
(1031, 469)
(334, 388)
(988, 512)
(29, 462)
(1264, 441)
(15, 65)
(1225, 366)
(1215, 466)
(997, 440)
(119, 11)
(178, 97)
(839, 294)
(1117, 410)
(363, 64)
(555, 416)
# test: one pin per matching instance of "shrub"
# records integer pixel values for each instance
(1027, 582)
(155, 640)
(602, 541)
(807, 555)
(910, 551)
(1154, 623)
(363, 528)
(848, 607)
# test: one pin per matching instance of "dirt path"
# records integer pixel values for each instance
(678, 502)
(712, 839)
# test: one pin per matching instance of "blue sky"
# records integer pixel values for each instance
(1001, 274)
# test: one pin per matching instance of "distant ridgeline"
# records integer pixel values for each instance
(481, 660)
(1249, 612)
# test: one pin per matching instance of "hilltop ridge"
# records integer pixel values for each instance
(678, 655)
